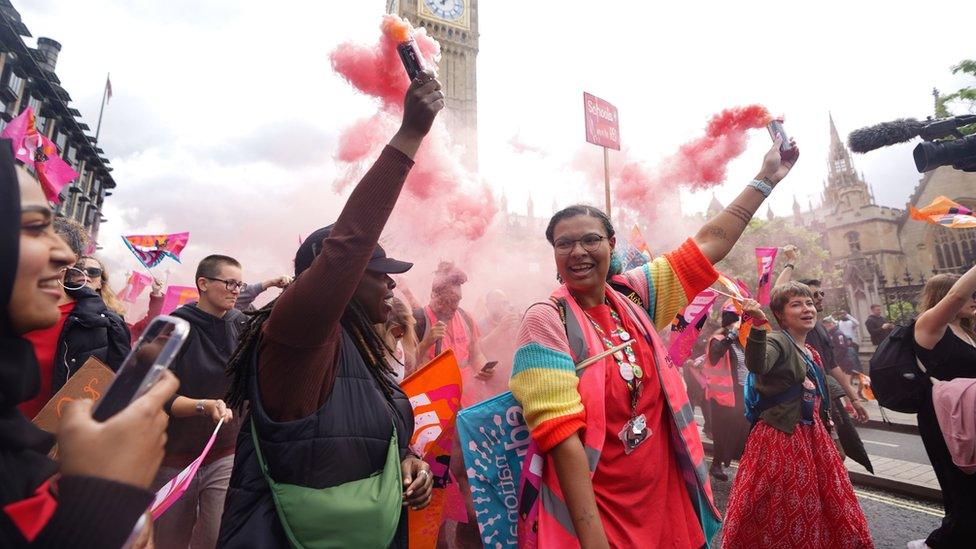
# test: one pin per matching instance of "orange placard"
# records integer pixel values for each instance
(90, 382)
(435, 394)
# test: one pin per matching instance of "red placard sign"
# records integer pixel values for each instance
(602, 123)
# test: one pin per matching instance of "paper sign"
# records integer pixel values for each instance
(435, 394)
(172, 490)
(765, 259)
(688, 324)
(602, 123)
(177, 296)
(494, 440)
(90, 381)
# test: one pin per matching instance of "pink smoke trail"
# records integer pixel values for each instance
(698, 164)
(443, 199)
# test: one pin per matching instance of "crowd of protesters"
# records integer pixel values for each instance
(313, 419)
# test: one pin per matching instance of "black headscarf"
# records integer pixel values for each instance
(23, 461)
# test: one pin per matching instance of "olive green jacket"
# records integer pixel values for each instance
(778, 366)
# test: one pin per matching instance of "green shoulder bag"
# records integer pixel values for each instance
(360, 513)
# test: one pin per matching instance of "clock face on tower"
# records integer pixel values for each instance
(448, 10)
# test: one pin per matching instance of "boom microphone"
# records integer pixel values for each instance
(884, 134)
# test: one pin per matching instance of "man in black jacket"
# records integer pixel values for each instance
(194, 520)
(877, 325)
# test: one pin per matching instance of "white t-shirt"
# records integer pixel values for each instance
(849, 329)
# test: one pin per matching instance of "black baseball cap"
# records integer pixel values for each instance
(379, 263)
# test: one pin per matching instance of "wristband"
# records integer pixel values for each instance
(761, 186)
(201, 407)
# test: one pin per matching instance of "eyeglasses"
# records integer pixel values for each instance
(92, 272)
(819, 293)
(231, 285)
(73, 278)
(590, 243)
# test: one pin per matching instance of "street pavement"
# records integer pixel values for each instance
(893, 520)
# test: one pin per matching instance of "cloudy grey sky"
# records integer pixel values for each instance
(225, 113)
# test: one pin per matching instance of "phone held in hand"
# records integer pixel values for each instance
(776, 129)
(148, 359)
(489, 366)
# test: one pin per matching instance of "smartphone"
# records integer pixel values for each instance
(148, 359)
(776, 129)
(489, 366)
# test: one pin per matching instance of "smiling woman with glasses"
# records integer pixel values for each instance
(602, 401)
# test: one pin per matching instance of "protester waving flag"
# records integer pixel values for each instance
(688, 324)
(134, 286)
(150, 249)
(36, 150)
(945, 213)
(737, 294)
(435, 394)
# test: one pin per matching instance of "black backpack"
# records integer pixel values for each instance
(896, 379)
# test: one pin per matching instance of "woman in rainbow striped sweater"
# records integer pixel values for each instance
(623, 463)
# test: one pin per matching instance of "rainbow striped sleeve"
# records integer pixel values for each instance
(544, 378)
(669, 282)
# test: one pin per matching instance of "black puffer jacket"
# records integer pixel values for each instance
(91, 329)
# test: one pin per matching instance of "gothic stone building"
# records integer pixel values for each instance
(883, 256)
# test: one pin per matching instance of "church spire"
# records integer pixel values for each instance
(835, 139)
(845, 188)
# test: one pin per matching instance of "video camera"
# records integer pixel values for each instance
(933, 151)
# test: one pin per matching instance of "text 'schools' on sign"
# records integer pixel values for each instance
(602, 122)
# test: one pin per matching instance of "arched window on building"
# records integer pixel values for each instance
(853, 241)
(955, 249)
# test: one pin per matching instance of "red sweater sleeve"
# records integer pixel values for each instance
(296, 365)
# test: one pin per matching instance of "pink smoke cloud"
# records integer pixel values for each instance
(698, 164)
(443, 199)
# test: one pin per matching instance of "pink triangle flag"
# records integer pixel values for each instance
(36, 150)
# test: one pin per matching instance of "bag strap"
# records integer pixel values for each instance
(814, 371)
(765, 403)
(257, 450)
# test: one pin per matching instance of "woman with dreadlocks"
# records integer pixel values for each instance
(328, 427)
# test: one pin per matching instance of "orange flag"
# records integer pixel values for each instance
(435, 394)
(945, 213)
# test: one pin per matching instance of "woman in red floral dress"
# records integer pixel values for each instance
(792, 489)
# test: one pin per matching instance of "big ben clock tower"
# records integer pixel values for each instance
(454, 23)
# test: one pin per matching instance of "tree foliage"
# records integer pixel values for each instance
(814, 259)
(961, 100)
